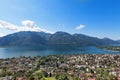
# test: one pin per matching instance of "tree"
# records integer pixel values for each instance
(45, 74)
(38, 76)
(62, 77)
(31, 77)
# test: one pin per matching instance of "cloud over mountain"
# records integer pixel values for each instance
(81, 26)
(27, 25)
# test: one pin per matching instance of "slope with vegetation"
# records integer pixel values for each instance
(28, 38)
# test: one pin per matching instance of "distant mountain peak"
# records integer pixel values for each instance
(61, 32)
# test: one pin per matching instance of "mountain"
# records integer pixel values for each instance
(61, 38)
(108, 41)
(24, 39)
(27, 38)
(85, 40)
(118, 41)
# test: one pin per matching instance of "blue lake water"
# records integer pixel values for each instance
(37, 51)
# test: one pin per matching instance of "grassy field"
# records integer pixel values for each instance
(50, 78)
(1, 70)
(38, 71)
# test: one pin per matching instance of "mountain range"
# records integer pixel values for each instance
(28, 38)
(118, 41)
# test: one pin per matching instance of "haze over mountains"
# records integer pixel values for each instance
(28, 38)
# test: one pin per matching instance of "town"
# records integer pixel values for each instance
(62, 67)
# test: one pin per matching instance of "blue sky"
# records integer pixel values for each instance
(99, 18)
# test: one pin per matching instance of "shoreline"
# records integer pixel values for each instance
(64, 55)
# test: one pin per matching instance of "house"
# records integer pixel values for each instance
(22, 78)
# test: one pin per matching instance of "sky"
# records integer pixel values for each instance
(98, 18)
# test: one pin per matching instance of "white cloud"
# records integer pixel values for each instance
(27, 25)
(1, 35)
(81, 26)
(4, 24)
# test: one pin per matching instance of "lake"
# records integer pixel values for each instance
(38, 51)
